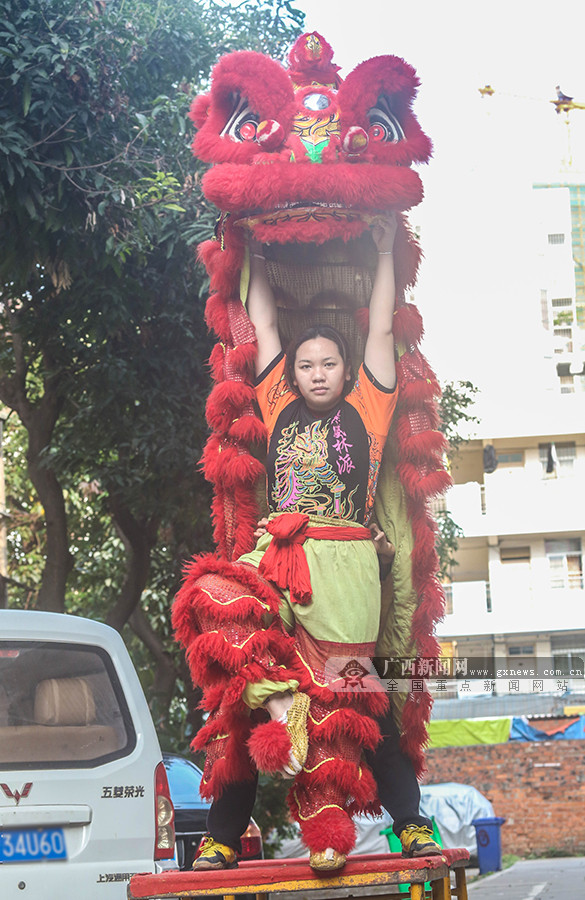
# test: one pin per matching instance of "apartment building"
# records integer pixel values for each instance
(516, 592)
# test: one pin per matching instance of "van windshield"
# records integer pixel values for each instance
(61, 705)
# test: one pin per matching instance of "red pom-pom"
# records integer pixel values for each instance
(269, 746)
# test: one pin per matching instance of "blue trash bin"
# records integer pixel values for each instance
(489, 843)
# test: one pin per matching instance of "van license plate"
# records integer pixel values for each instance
(32, 845)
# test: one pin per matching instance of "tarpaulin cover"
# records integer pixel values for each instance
(522, 730)
(464, 732)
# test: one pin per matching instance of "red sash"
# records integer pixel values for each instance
(284, 562)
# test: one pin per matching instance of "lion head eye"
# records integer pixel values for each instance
(242, 123)
(384, 126)
(316, 101)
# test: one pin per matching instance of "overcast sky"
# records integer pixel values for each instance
(476, 289)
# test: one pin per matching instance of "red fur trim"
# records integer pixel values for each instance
(415, 715)
(419, 446)
(407, 258)
(269, 746)
(239, 188)
(341, 772)
(250, 430)
(329, 828)
(408, 326)
(216, 362)
(260, 80)
(226, 402)
(241, 358)
(357, 726)
(227, 463)
(244, 470)
(416, 394)
(362, 318)
(394, 78)
(310, 232)
(200, 110)
(234, 765)
(248, 516)
(216, 317)
(207, 564)
(365, 795)
(423, 485)
(305, 66)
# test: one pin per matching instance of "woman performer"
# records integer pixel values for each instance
(325, 445)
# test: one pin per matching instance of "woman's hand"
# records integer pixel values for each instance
(384, 232)
(261, 528)
(384, 547)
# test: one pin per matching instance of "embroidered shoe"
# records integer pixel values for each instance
(417, 840)
(213, 855)
(327, 860)
(295, 719)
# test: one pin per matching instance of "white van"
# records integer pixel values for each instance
(84, 798)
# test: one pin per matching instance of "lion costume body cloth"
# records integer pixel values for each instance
(304, 163)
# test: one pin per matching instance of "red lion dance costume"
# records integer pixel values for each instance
(303, 162)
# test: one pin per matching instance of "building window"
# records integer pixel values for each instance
(565, 560)
(568, 661)
(562, 303)
(448, 589)
(511, 458)
(563, 318)
(556, 238)
(557, 459)
(521, 650)
(567, 383)
(514, 554)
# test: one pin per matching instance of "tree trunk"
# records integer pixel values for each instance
(40, 422)
(139, 538)
(165, 674)
(39, 419)
(58, 561)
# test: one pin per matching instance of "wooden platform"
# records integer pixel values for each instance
(360, 874)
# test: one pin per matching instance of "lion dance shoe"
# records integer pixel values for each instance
(417, 840)
(327, 860)
(213, 855)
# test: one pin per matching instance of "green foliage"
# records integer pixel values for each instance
(455, 408)
(457, 400)
(447, 543)
(103, 344)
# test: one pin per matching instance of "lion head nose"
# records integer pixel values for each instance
(355, 140)
(270, 134)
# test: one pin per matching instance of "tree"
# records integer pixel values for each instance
(456, 403)
(103, 346)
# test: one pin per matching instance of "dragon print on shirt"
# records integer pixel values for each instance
(304, 479)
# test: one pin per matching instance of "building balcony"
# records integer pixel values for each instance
(473, 608)
(517, 503)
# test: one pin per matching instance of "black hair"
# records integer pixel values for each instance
(317, 331)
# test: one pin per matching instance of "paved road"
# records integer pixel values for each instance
(536, 879)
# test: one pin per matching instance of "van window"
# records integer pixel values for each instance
(61, 705)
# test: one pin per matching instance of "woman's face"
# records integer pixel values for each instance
(320, 374)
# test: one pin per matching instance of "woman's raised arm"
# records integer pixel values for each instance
(262, 311)
(379, 351)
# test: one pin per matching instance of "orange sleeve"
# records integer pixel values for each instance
(374, 403)
(272, 392)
